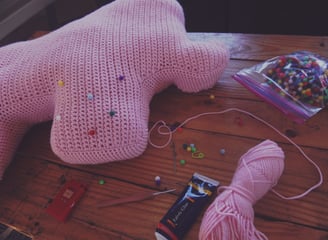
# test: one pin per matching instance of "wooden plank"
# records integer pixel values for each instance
(33, 182)
(288, 230)
(27, 211)
(299, 175)
(179, 107)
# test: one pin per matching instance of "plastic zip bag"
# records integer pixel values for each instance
(295, 83)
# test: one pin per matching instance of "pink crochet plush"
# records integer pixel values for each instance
(95, 78)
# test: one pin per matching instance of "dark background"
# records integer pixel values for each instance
(235, 16)
(255, 16)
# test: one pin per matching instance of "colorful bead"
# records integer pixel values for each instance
(92, 132)
(300, 76)
(121, 77)
(61, 83)
(112, 113)
(101, 181)
(182, 162)
(158, 180)
(212, 96)
(174, 126)
(90, 96)
(222, 151)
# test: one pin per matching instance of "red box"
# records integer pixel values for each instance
(66, 199)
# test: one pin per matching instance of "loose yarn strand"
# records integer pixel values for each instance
(159, 130)
(231, 214)
(170, 133)
(299, 149)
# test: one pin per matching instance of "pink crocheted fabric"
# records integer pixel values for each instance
(95, 78)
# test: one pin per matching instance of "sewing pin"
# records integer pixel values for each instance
(133, 198)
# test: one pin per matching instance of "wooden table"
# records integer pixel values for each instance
(36, 174)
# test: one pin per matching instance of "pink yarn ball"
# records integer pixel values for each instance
(231, 215)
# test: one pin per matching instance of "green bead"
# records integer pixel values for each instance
(101, 182)
(182, 162)
(112, 113)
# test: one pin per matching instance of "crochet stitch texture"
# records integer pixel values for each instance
(96, 76)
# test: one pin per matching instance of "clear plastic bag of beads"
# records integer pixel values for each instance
(297, 83)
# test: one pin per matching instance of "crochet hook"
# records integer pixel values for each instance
(133, 198)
